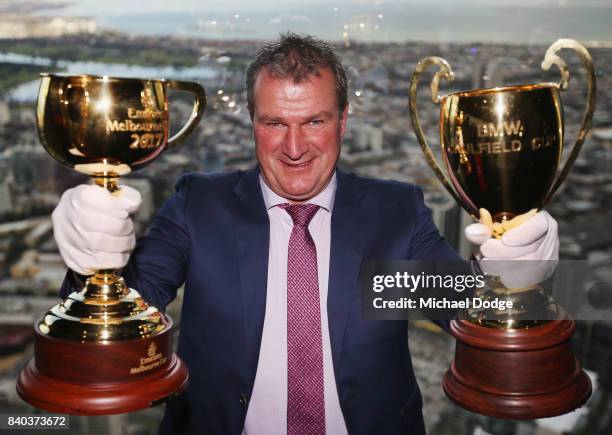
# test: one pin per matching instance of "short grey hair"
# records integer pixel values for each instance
(297, 57)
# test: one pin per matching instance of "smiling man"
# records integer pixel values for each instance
(271, 325)
(298, 124)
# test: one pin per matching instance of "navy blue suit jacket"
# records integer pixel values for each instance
(213, 235)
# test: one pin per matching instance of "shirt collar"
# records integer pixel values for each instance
(324, 199)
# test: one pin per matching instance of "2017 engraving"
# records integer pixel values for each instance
(146, 140)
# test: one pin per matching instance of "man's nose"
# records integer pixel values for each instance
(295, 145)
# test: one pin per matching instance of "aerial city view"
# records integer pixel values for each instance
(380, 44)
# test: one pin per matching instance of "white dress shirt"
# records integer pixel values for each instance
(267, 411)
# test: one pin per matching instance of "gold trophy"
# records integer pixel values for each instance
(104, 350)
(502, 148)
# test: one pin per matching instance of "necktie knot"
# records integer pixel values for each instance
(301, 214)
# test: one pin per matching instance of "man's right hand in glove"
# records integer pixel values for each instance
(93, 227)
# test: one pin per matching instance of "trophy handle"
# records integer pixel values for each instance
(445, 72)
(551, 58)
(196, 114)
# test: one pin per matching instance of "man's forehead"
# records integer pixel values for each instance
(276, 72)
(319, 86)
(284, 97)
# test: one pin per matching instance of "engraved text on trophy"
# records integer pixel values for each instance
(152, 360)
(146, 124)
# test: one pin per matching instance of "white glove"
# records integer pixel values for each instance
(535, 240)
(93, 228)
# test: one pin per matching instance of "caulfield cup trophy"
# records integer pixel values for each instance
(104, 350)
(502, 149)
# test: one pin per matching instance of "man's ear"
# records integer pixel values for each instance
(252, 115)
(251, 111)
(343, 119)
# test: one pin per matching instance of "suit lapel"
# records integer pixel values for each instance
(348, 235)
(252, 232)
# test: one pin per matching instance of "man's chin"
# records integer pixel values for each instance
(299, 194)
(302, 197)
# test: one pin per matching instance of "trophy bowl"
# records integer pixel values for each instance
(107, 126)
(502, 146)
(104, 350)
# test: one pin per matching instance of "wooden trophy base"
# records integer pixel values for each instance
(96, 378)
(516, 373)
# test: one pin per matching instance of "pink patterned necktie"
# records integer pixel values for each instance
(305, 400)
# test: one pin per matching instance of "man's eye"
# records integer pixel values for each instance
(316, 122)
(274, 124)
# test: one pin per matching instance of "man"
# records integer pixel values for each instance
(272, 330)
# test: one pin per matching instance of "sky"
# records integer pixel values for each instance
(513, 21)
(202, 6)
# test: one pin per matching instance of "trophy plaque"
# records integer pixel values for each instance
(104, 350)
(502, 148)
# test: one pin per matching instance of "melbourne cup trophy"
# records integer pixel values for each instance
(104, 350)
(502, 150)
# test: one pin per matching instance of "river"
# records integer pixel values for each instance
(27, 92)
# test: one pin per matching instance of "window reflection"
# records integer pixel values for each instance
(488, 43)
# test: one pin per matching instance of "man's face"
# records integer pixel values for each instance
(298, 130)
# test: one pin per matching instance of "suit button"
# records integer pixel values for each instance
(244, 399)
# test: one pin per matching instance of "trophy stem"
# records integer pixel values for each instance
(105, 285)
(530, 308)
(503, 216)
(108, 182)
